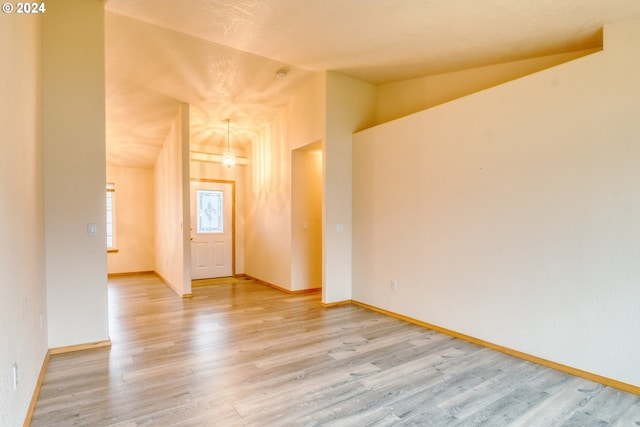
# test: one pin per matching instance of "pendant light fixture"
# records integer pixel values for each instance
(228, 158)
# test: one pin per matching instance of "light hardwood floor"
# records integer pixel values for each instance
(243, 354)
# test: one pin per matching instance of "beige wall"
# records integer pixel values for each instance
(268, 222)
(399, 99)
(22, 281)
(268, 206)
(171, 180)
(306, 217)
(307, 113)
(134, 220)
(74, 172)
(329, 108)
(350, 106)
(512, 215)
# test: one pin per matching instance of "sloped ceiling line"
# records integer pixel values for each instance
(221, 56)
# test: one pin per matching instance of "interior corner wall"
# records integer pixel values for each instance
(306, 116)
(268, 238)
(268, 206)
(134, 214)
(23, 341)
(350, 106)
(172, 222)
(511, 215)
(74, 172)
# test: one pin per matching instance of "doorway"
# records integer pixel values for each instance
(212, 229)
(306, 217)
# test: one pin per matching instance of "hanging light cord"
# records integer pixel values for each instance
(228, 158)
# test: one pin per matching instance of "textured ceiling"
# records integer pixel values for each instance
(221, 56)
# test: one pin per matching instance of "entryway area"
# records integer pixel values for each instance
(212, 229)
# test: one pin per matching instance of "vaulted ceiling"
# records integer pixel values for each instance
(221, 56)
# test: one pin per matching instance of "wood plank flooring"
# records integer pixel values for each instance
(243, 354)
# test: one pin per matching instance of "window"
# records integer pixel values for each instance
(111, 224)
(209, 204)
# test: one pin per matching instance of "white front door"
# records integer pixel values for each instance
(211, 230)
